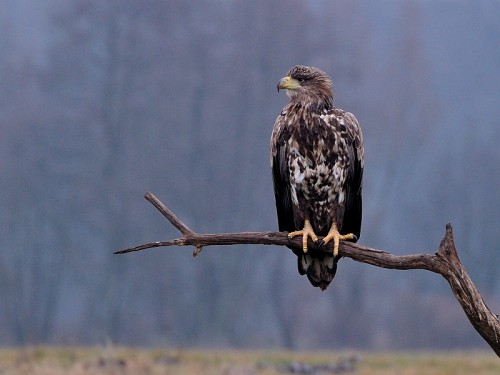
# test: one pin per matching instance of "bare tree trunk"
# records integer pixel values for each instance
(445, 262)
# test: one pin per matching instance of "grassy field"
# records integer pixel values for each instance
(113, 360)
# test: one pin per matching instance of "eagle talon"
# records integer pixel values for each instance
(305, 233)
(334, 234)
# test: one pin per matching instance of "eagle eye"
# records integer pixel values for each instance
(300, 78)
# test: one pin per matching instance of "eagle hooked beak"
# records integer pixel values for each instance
(288, 83)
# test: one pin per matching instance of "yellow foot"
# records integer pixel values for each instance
(305, 233)
(334, 234)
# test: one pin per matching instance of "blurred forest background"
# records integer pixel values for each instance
(101, 101)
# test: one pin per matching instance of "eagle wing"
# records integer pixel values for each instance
(281, 177)
(353, 205)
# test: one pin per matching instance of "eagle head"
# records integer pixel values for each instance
(307, 83)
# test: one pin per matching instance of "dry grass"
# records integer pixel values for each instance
(126, 361)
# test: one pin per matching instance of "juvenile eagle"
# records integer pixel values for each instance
(317, 166)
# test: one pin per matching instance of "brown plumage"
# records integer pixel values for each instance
(317, 166)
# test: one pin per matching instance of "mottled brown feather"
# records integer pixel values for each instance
(317, 165)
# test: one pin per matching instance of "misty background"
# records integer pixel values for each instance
(101, 101)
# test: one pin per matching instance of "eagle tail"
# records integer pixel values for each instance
(320, 268)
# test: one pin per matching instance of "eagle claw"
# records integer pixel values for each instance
(321, 243)
(306, 233)
(334, 235)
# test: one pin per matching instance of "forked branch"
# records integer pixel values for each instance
(444, 262)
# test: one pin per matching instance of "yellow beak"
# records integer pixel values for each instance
(288, 83)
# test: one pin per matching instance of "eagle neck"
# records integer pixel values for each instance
(312, 104)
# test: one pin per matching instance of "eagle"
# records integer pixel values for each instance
(317, 162)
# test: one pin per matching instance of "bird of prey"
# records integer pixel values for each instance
(317, 166)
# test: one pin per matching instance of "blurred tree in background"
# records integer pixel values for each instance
(102, 101)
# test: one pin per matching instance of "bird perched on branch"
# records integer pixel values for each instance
(317, 166)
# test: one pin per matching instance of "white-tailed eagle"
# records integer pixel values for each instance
(317, 166)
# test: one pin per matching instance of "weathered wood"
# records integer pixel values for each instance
(445, 262)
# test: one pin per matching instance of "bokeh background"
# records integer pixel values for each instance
(101, 101)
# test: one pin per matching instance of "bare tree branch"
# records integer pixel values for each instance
(445, 262)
